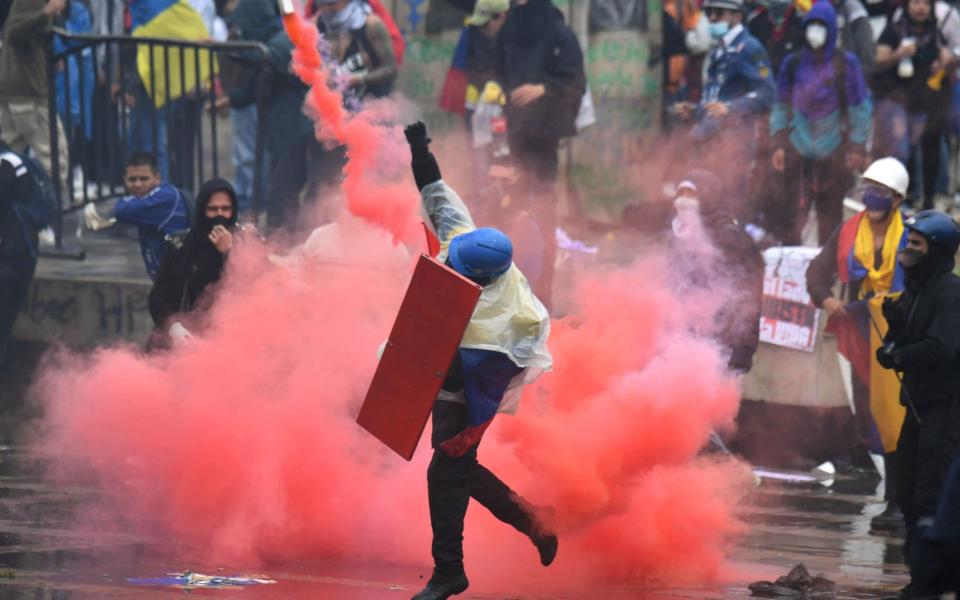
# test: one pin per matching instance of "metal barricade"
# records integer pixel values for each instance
(150, 95)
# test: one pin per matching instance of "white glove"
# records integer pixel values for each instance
(94, 220)
(179, 335)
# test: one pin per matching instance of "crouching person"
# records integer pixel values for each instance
(193, 264)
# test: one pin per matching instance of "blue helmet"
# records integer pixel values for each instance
(938, 228)
(481, 254)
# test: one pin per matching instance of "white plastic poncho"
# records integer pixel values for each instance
(508, 318)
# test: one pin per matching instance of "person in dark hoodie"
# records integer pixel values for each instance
(288, 133)
(192, 266)
(542, 74)
(712, 251)
(819, 125)
(923, 343)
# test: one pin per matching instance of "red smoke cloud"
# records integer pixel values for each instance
(244, 443)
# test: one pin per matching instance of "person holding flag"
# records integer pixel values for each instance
(862, 254)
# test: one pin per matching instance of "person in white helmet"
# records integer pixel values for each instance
(862, 254)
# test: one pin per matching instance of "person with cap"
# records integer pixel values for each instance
(862, 255)
(503, 348)
(738, 88)
(194, 263)
(923, 345)
(483, 27)
(819, 124)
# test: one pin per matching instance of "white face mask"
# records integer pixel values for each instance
(816, 35)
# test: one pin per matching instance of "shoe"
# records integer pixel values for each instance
(913, 591)
(547, 544)
(443, 585)
(890, 521)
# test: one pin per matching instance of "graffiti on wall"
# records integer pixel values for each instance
(84, 312)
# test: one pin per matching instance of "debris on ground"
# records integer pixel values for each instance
(796, 584)
(189, 580)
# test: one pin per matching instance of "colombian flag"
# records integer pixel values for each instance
(170, 19)
(857, 333)
(453, 98)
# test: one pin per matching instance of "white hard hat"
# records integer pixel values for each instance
(889, 172)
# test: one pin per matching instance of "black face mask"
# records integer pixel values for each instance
(219, 220)
(911, 259)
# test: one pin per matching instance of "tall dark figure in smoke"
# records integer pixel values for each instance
(541, 69)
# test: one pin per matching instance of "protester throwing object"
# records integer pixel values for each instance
(503, 348)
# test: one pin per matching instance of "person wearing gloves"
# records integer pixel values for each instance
(503, 348)
(862, 255)
(819, 125)
(923, 344)
(192, 266)
(158, 209)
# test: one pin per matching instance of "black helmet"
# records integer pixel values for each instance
(938, 228)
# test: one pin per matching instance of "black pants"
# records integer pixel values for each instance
(823, 181)
(451, 482)
(15, 277)
(930, 140)
(924, 454)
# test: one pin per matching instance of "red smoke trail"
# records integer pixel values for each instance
(390, 206)
(244, 444)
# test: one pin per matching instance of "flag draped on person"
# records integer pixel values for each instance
(861, 331)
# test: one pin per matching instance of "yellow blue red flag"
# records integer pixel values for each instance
(168, 73)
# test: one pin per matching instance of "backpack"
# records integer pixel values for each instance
(839, 80)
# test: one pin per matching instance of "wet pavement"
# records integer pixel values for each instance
(43, 555)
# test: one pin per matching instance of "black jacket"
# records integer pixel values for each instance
(190, 267)
(536, 46)
(18, 241)
(926, 332)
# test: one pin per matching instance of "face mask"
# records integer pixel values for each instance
(875, 199)
(351, 17)
(719, 29)
(816, 35)
(911, 258)
(220, 220)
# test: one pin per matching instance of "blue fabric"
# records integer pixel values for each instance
(244, 122)
(809, 105)
(142, 116)
(144, 11)
(78, 21)
(461, 54)
(486, 375)
(739, 74)
(161, 212)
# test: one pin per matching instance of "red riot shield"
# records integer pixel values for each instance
(433, 316)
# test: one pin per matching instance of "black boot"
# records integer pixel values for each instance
(547, 544)
(443, 584)
(890, 521)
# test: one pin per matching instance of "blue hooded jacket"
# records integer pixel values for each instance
(807, 109)
(163, 211)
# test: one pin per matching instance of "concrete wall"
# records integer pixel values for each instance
(84, 312)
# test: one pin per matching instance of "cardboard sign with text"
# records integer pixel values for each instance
(787, 316)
